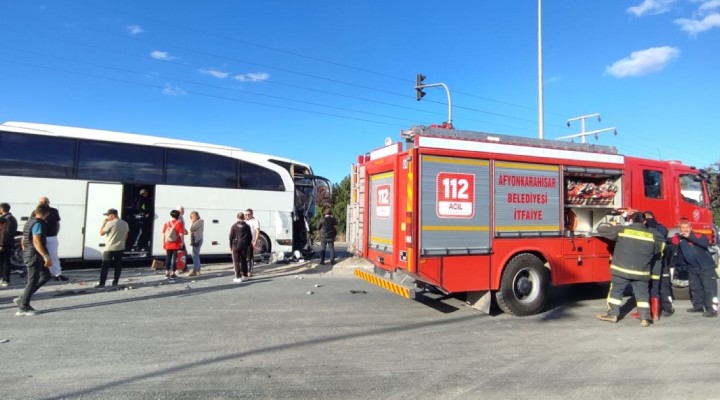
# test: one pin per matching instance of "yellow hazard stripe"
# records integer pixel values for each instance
(655, 277)
(382, 176)
(537, 167)
(636, 234)
(381, 240)
(454, 228)
(643, 304)
(629, 271)
(527, 228)
(456, 161)
(408, 209)
(383, 283)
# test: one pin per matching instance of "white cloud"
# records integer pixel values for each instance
(709, 5)
(695, 26)
(171, 90)
(643, 62)
(161, 55)
(214, 72)
(651, 7)
(252, 77)
(135, 29)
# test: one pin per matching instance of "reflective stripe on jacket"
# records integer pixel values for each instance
(635, 249)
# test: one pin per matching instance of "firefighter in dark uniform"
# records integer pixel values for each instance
(635, 248)
(660, 291)
(693, 255)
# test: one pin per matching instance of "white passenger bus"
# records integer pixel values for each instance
(84, 172)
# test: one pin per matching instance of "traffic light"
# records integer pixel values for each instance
(419, 93)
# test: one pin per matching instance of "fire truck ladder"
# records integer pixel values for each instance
(356, 210)
(420, 130)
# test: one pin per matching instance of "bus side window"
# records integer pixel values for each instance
(259, 178)
(186, 167)
(119, 162)
(35, 155)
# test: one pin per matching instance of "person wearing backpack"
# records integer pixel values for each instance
(240, 239)
(172, 242)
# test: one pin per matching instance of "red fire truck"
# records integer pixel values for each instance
(507, 216)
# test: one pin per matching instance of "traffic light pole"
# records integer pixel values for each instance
(447, 91)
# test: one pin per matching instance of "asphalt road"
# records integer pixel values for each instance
(300, 331)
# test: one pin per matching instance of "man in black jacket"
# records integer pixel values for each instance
(693, 255)
(328, 231)
(240, 240)
(635, 248)
(10, 231)
(660, 291)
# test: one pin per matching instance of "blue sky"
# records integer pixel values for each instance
(324, 81)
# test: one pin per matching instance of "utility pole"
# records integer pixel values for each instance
(583, 133)
(419, 93)
(541, 113)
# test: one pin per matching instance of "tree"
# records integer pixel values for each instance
(714, 189)
(338, 204)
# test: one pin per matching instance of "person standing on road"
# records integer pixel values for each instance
(635, 248)
(196, 240)
(53, 229)
(240, 239)
(254, 225)
(660, 291)
(116, 231)
(36, 258)
(10, 232)
(5, 249)
(172, 234)
(693, 255)
(328, 231)
(182, 252)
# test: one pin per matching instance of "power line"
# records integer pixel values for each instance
(313, 76)
(275, 82)
(196, 93)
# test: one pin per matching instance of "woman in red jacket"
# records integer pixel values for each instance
(172, 235)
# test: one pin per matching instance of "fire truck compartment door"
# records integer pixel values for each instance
(455, 206)
(382, 199)
(527, 199)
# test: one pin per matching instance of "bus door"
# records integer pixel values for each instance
(311, 191)
(138, 210)
(100, 198)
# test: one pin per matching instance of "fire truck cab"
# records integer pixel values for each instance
(502, 215)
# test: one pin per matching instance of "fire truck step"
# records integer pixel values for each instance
(400, 290)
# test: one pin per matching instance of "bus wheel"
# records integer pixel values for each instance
(262, 247)
(16, 257)
(524, 286)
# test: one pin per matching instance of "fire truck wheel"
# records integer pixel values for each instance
(524, 286)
